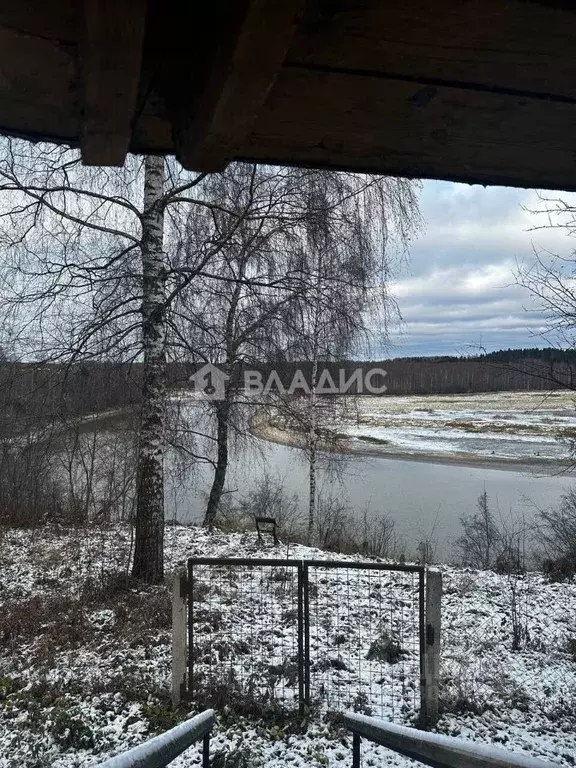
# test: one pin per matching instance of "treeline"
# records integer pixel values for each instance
(449, 376)
(500, 356)
(532, 353)
(32, 394)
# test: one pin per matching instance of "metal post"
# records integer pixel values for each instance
(432, 649)
(422, 639)
(179, 634)
(301, 661)
(306, 595)
(355, 750)
(206, 751)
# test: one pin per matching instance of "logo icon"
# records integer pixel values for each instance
(210, 381)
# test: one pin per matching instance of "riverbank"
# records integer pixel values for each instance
(261, 427)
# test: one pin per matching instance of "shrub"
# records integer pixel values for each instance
(267, 499)
(558, 534)
(385, 648)
(68, 730)
(559, 569)
(29, 496)
(481, 538)
(161, 715)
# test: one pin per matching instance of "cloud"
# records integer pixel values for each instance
(456, 282)
(461, 290)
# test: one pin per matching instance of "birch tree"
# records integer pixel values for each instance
(235, 316)
(86, 276)
(350, 226)
(149, 540)
(294, 281)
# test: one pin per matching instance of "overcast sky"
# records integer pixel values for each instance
(458, 291)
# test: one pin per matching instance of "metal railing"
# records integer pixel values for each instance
(432, 748)
(161, 750)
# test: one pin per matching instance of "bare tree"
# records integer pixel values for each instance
(350, 221)
(89, 276)
(549, 277)
(481, 541)
(294, 279)
(149, 540)
(234, 316)
(557, 534)
(74, 238)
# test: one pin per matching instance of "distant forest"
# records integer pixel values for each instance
(502, 356)
(507, 369)
(31, 394)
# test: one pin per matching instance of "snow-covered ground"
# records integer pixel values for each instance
(527, 426)
(85, 656)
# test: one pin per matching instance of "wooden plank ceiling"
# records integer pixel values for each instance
(469, 90)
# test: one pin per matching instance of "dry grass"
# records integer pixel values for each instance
(67, 622)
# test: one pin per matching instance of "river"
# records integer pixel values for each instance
(425, 499)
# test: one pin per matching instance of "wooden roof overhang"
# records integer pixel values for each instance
(468, 90)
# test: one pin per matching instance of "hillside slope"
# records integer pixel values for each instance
(85, 657)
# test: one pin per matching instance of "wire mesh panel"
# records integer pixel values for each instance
(244, 641)
(288, 634)
(508, 641)
(365, 639)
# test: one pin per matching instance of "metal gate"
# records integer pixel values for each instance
(293, 635)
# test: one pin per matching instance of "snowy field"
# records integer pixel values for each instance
(523, 426)
(85, 657)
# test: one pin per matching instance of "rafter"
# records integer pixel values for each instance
(110, 61)
(244, 61)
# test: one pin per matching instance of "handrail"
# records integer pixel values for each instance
(161, 750)
(433, 748)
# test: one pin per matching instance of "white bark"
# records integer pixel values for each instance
(312, 449)
(149, 540)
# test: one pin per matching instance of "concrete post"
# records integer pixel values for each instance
(432, 647)
(179, 636)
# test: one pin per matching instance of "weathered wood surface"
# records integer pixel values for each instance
(212, 126)
(110, 63)
(37, 86)
(477, 90)
(431, 688)
(409, 129)
(512, 45)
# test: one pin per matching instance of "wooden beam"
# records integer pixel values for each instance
(37, 101)
(110, 62)
(486, 44)
(246, 55)
(377, 125)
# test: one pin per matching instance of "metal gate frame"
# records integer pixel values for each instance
(302, 568)
(368, 566)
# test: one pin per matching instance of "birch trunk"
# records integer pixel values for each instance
(217, 489)
(223, 409)
(149, 537)
(312, 446)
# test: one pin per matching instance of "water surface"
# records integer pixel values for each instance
(423, 498)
